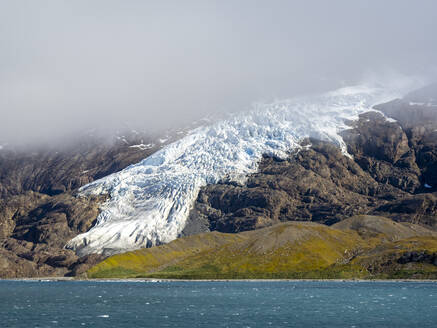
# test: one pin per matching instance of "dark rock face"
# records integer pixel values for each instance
(56, 170)
(420, 209)
(51, 220)
(381, 148)
(420, 125)
(317, 184)
(39, 211)
(418, 257)
(392, 173)
(38, 227)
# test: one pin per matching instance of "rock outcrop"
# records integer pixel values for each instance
(391, 172)
(39, 209)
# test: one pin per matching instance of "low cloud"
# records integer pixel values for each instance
(68, 66)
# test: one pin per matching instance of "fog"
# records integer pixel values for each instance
(68, 66)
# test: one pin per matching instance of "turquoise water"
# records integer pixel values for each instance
(217, 304)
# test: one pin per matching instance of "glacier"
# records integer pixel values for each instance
(149, 202)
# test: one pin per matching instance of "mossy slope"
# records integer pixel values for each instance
(286, 250)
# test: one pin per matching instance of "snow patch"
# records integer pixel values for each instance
(150, 201)
(428, 104)
(143, 146)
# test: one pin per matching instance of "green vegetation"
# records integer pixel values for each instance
(293, 250)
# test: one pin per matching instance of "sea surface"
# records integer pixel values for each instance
(217, 304)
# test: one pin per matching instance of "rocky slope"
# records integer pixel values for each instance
(39, 209)
(391, 172)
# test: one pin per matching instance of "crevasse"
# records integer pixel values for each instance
(149, 202)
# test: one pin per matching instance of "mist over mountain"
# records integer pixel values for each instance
(299, 138)
(68, 67)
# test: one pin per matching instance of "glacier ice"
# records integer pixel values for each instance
(149, 202)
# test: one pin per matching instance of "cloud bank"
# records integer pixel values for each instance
(67, 66)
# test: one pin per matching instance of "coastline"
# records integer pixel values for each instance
(62, 279)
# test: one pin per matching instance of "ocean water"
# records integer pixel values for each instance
(217, 304)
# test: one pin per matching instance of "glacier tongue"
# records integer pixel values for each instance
(150, 201)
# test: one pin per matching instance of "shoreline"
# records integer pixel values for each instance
(63, 279)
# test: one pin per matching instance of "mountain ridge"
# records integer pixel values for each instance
(149, 202)
(391, 172)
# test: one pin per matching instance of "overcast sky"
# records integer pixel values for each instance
(66, 66)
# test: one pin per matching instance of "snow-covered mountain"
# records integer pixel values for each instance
(149, 202)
